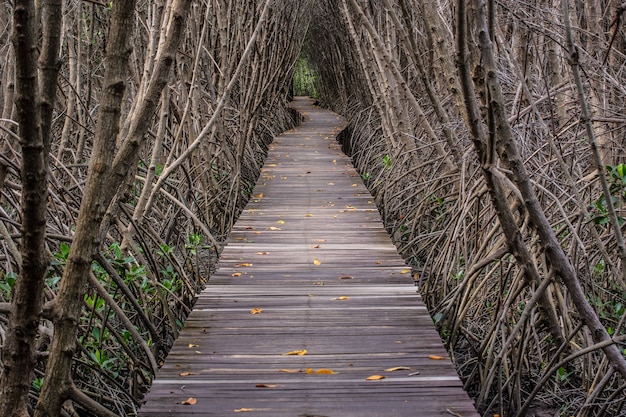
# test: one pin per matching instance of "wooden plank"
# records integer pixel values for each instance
(310, 258)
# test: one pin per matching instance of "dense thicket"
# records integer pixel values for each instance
(169, 105)
(487, 154)
(491, 133)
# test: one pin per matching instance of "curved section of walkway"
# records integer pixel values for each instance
(311, 312)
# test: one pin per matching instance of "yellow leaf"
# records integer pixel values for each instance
(187, 373)
(235, 274)
(342, 298)
(355, 185)
(331, 183)
(275, 228)
(296, 352)
(398, 368)
(405, 271)
(308, 215)
(317, 262)
(266, 386)
(256, 310)
(193, 345)
(243, 264)
(374, 378)
(324, 371)
(260, 195)
(437, 357)
(262, 253)
(243, 410)
(281, 222)
(189, 401)
(309, 371)
(290, 371)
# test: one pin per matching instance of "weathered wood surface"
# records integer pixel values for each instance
(311, 252)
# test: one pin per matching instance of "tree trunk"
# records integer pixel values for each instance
(34, 115)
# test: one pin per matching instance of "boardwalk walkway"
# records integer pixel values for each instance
(309, 300)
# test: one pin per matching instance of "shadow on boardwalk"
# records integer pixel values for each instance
(310, 299)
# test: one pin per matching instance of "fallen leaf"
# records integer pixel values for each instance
(316, 246)
(266, 386)
(235, 274)
(375, 378)
(308, 215)
(331, 183)
(379, 262)
(296, 352)
(309, 371)
(281, 222)
(454, 413)
(325, 371)
(405, 271)
(320, 240)
(189, 401)
(187, 373)
(260, 195)
(243, 410)
(342, 298)
(193, 345)
(437, 357)
(346, 277)
(256, 311)
(275, 228)
(398, 368)
(317, 262)
(355, 185)
(290, 371)
(262, 253)
(244, 265)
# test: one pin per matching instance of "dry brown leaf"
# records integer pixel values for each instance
(262, 253)
(316, 246)
(379, 262)
(187, 373)
(245, 264)
(398, 368)
(260, 195)
(375, 377)
(342, 298)
(256, 311)
(189, 401)
(317, 262)
(235, 274)
(346, 277)
(290, 371)
(325, 371)
(243, 410)
(437, 357)
(296, 352)
(266, 386)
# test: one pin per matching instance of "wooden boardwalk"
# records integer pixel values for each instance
(309, 300)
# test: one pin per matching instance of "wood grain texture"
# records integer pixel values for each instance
(309, 254)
